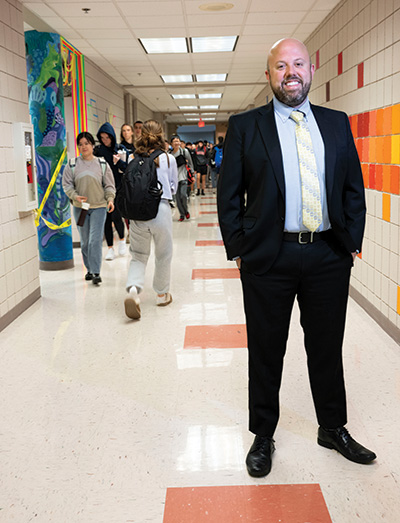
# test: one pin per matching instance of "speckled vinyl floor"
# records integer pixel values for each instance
(108, 420)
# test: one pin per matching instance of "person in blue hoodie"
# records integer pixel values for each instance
(115, 157)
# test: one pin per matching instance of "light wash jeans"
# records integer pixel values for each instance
(140, 235)
(91, 235)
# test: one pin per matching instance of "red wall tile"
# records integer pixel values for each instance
(340, 63)
(317, 60)
(378, 177)
(360, 75)
(394, 179)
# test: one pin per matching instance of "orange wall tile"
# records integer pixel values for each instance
(372, 123)
(396, 119)
(378, 177)
(386, 207)
(372, 149)
(365, 172)
(387, 120)
(379, 122)
(387, 149)
(379, 149)
(386, 178)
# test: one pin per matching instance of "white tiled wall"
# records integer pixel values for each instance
(19, 266)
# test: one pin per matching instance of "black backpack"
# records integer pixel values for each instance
(140, 193)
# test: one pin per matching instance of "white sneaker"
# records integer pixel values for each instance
(163, 300)
(110, 254)
(122, 247)
(132, 304)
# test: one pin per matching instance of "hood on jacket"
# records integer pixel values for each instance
(109, 129)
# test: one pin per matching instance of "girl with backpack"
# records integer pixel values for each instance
(158, 229)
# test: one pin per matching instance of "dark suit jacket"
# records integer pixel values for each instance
(251, 186)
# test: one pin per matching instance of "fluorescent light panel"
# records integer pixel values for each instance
(164, 45)
(177, 78)
(191, 114)
(211, 77)
(187, 107)
(209, 107)
(211, 95)
(182, 96)
(213, 44)
(208, 119)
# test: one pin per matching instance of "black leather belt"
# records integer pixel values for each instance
(305, 237)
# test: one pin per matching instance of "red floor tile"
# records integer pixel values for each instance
(216, 224)
(251, 504)
(215, 274)
(205, 243)
(208, 212)
(215, 337)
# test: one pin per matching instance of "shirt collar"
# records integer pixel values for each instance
(284, 111)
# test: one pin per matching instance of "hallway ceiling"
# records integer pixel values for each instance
(108, 34)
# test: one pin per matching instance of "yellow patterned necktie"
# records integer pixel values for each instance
(310, 190)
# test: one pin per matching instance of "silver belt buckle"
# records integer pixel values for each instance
(300, 237)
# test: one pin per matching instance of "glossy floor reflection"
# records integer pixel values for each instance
(102, 415)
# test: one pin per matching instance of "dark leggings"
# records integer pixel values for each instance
(119, 225)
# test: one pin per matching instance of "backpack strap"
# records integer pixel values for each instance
(72, 164)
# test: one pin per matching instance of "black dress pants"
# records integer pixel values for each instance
(119, 225)
(318, 275)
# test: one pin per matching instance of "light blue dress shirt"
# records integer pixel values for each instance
(287, 138)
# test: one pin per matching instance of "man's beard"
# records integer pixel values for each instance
(292, 99)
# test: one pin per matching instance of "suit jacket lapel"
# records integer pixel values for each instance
(269, 134)
(328, 137)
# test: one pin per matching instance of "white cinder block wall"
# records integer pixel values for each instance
(365, 32)
(19, 265)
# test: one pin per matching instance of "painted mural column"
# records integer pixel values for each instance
(46, 107)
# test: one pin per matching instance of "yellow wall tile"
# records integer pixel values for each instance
(396, 149)
(386, 207)
(398, 300)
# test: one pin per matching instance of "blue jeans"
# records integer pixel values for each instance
(214, 176)
(91, 235)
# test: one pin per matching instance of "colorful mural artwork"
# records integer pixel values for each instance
(46, 107)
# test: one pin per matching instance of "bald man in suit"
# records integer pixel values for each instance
(264, 211)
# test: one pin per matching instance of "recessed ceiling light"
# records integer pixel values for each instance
(164, 45)
(209, 107)
(211, 77)
(216, 6)
(187, 107)
(211, 95)
(213, 44)
(192, 119)
(208, 119)
(191, 114)
(209, 114)
(182, 96)
(177, 78)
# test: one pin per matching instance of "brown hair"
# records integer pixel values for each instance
(122, 127)
(152, 138)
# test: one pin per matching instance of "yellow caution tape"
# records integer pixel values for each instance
(38, 212)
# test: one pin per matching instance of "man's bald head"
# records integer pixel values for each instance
(286, 43)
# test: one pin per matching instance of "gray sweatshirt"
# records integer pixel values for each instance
(86, 179)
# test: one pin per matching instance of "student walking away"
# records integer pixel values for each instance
(202, 162)
(192, 151)
(216, 162)
(111, 152)
(158, 229)
(89, 184)
(292, 211)
(184, 162)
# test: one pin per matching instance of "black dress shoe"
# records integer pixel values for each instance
(258, 459)
(340, 440)
(88, 276)
(96, 279)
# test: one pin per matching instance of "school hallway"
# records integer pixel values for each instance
(110, 420)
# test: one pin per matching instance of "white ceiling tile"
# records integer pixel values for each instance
(115, 23)
(275, 29)
(214, 20)
(263, 6)
(154, 22)
(68, 9)
(40, 9)
(107, 33)
(148, 8)
(290, 17)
